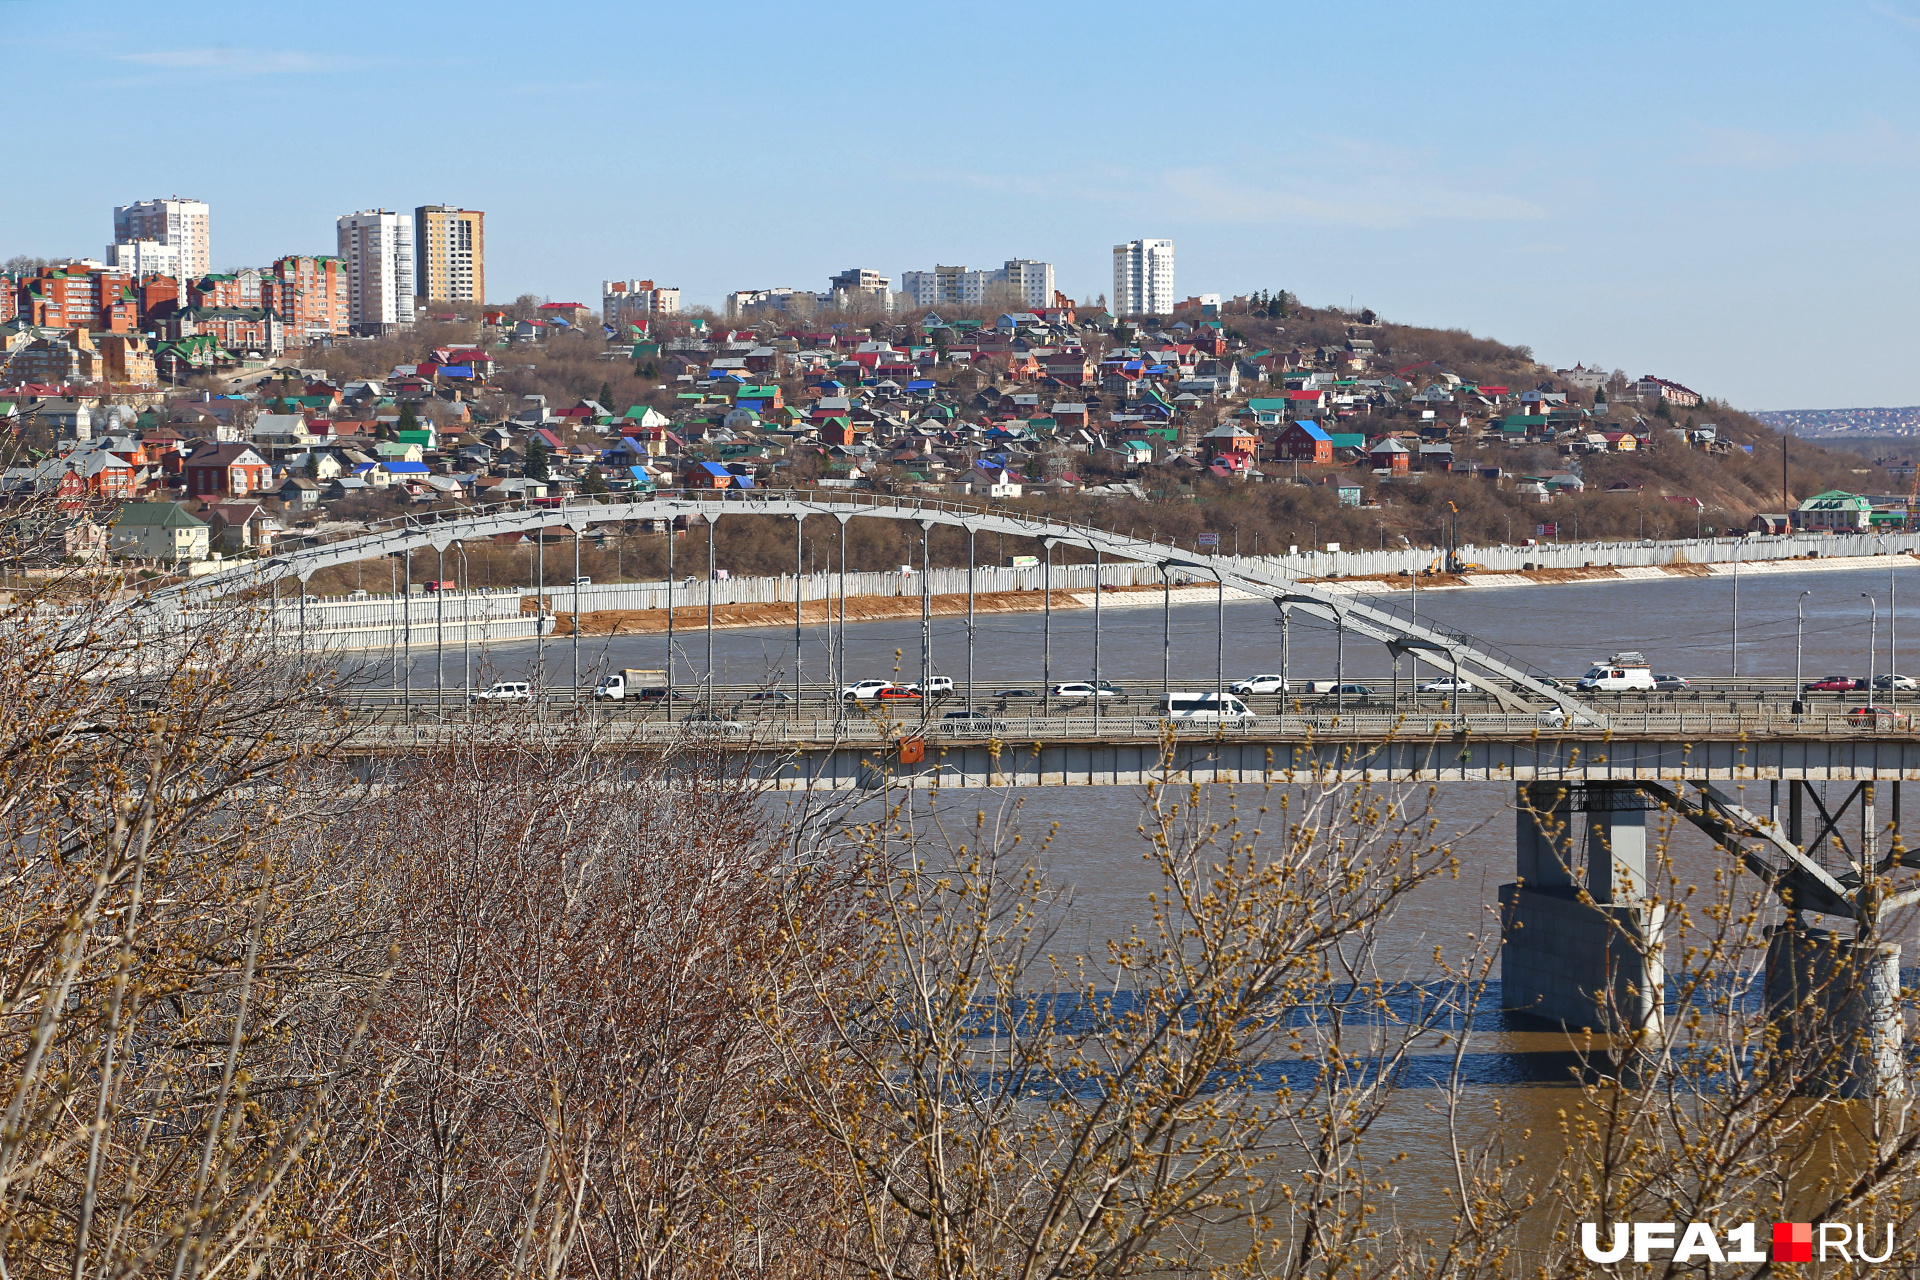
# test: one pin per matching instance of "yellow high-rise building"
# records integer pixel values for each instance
(450, 253)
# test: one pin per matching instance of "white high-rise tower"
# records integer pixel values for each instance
(1143, 278)
(377, 247)
(181, 225)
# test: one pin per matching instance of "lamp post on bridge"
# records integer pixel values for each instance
(1873, 644)
(1799, 631)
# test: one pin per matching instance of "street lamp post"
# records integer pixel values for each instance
(1736, 614)
(1799, 631)
(1873, 643)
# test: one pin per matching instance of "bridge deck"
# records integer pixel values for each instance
(1130, 751)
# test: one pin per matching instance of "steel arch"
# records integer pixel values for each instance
(1444, 651)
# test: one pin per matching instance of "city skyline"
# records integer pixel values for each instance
(1665, 229)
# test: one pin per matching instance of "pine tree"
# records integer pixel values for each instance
(537, 457)
(409, 420)
(594, 485)
(651, 373)
(606, 395)
(312, 468)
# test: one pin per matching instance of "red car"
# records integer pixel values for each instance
(894, 693)
(1836, 684)
(1879, 718)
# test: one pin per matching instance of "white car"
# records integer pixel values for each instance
(865, 690)
(1080, 689)
(1895, 682)
(1446, 684)
(1554, 718)
(1258, 684)
(935, 687)
(506, 691)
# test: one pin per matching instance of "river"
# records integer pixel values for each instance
(1684, 625)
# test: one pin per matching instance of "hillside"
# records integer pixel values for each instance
(1467, 385)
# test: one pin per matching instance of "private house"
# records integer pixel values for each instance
(1835, 511)
(162, 531)
(226, 470)
(1237, 436)
(1389, 455)
(707, 475)
(1303, 442)
(241, 526)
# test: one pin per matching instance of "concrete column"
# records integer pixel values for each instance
(1544, 828)
(1835, 1010)
(1581, 963)
(1616, 846)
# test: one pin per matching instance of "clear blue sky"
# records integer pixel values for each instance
(1714, 192)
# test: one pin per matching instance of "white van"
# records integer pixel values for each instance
(1203, 706)
(1618, 674)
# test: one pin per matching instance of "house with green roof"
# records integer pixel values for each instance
(1837, 510)
(161, 531)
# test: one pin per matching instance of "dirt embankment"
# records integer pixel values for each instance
(609, 622)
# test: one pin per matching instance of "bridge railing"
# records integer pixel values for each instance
(426, 727)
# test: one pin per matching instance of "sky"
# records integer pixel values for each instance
(1722, 194)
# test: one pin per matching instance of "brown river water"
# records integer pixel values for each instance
(1683, 625)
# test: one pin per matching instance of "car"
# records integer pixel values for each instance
(712, 722)
(1553, 717)
(1343, 691)
(934, 687)
(865, 690)
(1447, 684)
(505, 691)
(1895, 682)
(1879, 718)
(1204, 705)
(898, 693)
(971, 721)
(660, 695)
(770, 695)
(1015, 693)
(1669, 683)
(581, 582)
(1081, 689)
(1836, 684)
(1258, 684)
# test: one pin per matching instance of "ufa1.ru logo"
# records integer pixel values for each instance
(1792, 1242)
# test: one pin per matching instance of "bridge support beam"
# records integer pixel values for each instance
(1834, 1005)
(1582, 963)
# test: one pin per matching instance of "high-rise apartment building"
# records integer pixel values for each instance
(308, 293)
(858, 289)
(176, 223)
(1143, 278)
(450, 250)
(636, 301)
(142, 258)
(1022, 282)
(377, 247)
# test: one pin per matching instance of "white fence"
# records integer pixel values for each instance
(693, 592)
(377, 621)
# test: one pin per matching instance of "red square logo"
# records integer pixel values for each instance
(1793, 1242)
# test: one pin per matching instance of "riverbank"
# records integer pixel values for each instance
(879, 608)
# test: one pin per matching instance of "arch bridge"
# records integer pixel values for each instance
(1512, 688)
(1578, 927)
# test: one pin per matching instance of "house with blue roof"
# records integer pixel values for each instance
(707, 475)
(1304, 441)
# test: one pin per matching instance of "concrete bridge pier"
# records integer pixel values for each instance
(1592, 963)
(1834, 1003)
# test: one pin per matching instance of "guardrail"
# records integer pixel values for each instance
(863, 730)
